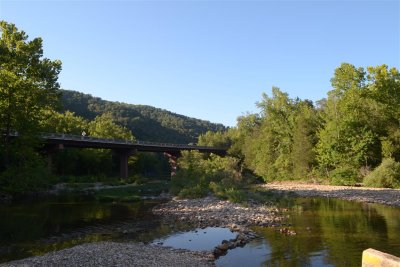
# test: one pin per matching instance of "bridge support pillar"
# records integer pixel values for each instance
(50, 151)
(124, 155)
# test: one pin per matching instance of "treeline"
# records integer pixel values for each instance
(352, 136)
(146, 122)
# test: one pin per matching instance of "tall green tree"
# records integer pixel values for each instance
(28, 86)
(305, 126)
(353, 123)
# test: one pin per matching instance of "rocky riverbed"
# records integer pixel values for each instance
(117, 254)
(384, 196)
(213, 212)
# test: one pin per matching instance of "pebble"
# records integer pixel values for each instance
(117, 254)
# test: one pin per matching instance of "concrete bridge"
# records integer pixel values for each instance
(123, 148)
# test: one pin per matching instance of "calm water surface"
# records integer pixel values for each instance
(330, 232)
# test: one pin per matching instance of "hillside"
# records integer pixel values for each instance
(146, 123)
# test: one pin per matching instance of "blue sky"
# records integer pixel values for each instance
(208, 59)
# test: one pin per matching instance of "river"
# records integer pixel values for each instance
(329, 232)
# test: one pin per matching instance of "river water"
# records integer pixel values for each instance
(329, 232)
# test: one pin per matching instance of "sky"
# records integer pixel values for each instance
(211, 60)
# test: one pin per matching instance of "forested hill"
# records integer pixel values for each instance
(146, 123)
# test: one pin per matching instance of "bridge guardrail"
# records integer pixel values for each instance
(72, 137)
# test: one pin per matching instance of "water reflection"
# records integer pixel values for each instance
(198, 240)
(329, 232)
(332, 232)
(35, 228)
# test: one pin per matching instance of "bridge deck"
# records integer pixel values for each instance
(94, 142)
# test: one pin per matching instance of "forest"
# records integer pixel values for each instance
(146, 122)
(351, 137)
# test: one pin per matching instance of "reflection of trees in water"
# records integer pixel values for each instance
(36, 228)
(347, 229)
(338, 229)
(29, 222)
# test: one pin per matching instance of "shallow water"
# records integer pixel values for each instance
(55, 223)
(329, 232)
(198, 240)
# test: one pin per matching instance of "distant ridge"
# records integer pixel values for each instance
(146, 122)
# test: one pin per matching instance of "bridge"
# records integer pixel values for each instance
(123, 148)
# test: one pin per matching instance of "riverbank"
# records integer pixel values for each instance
(116, 254)
(384, 196)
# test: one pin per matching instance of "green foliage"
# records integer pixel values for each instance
(28, 82)
(90, 179)
(214, 139)
(196, 191)
(344, 175)
(28, 90)
(360, 119)
(198, 174)
(138, 179)
(233, 193)
(281, 144)
(67, 123)
(386, 175)
(103, 126)
(147, 123)
(28, 175)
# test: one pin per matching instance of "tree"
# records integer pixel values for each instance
(103, 126)
(349, 139)
(66, 122)
(28, 86)
(304, 139)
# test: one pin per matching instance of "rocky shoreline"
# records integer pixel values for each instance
(117, 254)
(386, 196)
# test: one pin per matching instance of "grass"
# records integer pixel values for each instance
(132, 193)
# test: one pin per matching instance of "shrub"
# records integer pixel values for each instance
(193, 192)
(29, 176)
(386, 175)
(198, 174)
(344, 176)
(233, 193)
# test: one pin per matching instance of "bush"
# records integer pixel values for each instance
(344, 176)
(233, 194)
(137, 179)
(386, 175)
(198, 174)
(193, 192)
(29, 176)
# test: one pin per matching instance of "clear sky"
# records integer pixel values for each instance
(210, 60)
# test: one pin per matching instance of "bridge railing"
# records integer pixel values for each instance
(72, 137)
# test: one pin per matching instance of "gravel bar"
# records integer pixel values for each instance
(117, 254)
(213, 212)
(384, 196)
